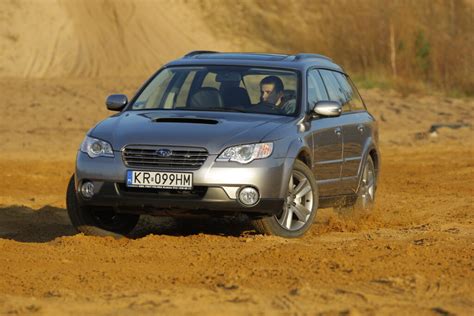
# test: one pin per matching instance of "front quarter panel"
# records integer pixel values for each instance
(291, 148)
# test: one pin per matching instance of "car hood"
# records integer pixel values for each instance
(214, 131)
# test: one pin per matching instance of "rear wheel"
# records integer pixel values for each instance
(366, 192)
(299, 208)
(97, 221)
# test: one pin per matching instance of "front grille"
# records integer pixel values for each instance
(180, 157)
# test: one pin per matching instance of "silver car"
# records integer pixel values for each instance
(271, 136)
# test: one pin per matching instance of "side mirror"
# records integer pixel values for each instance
(116, 102)
(327, 108)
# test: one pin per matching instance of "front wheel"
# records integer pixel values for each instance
(97, 221)
(299, 209)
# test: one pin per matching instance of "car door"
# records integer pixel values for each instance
(355, 128)
(327, 139)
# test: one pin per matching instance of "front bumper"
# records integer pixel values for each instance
(216, 186)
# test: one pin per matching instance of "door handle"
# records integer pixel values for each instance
(338, 131)
(360, 128)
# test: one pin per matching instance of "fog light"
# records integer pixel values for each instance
(249, 196)
(87, 189)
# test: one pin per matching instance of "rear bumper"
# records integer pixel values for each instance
(156, 202)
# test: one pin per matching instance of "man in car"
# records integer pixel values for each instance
(272, 94)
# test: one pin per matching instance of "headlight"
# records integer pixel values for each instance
(96, 148)
(246, 153)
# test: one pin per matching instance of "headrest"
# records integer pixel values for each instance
(206, 98)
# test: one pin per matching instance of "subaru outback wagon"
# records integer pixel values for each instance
(271, 136)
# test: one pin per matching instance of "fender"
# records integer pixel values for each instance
(295, 148)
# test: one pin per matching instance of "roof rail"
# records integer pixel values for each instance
(198, 52)
(310, 56)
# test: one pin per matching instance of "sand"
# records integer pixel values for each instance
(414, 254)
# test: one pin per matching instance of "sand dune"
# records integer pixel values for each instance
(83, 38)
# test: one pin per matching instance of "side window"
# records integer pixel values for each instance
(334, 89)
(350, 92)
(316, 90)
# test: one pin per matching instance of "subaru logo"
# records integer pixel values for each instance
(164, 152)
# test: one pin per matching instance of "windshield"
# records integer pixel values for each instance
(221, 88)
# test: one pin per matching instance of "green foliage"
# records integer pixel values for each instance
(400, 46)
(422, 53)
(371, 81)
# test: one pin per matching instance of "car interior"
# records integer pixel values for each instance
(229, 94)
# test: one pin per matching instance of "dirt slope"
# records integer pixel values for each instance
(82, 38)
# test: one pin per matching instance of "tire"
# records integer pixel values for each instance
(97, 221)
(299, 210)
(364, 202)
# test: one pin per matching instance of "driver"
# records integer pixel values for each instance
(272, 93)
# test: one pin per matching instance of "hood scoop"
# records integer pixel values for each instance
(189, 120)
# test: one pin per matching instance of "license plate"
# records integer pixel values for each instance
(160, 180)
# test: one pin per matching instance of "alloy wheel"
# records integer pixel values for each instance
(367, 186)
(299, 202)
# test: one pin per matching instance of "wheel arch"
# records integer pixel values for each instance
(297, 150)
(305, 157)
(375, 158)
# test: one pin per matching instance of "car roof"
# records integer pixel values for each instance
(294, 62)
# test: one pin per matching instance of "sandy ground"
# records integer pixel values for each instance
(413, 254)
